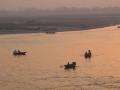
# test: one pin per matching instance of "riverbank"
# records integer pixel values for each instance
(51, 25)
(51, 30)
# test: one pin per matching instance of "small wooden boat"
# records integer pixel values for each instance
(70, 66)
(88, 54)
(19, 53)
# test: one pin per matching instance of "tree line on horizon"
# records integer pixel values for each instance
(60, 11)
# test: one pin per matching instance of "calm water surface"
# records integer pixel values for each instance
(41, 68)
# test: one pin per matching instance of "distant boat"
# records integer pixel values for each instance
(118, 26)
(88, 54)
(17, 53)
(70, 66)
(50, 32)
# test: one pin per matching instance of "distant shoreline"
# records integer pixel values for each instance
(53, 32)
(56, 23)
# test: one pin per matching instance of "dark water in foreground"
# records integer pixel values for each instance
(40, 68)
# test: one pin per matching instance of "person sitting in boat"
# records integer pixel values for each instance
(89, 52)
(18, 51)
(68, 63)
(86, 54)
(74, 63)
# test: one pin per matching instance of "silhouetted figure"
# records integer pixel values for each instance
(18, 51)
(74, 63)
(88, 54)
(68, 63)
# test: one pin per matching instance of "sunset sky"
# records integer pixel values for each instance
(42, 4)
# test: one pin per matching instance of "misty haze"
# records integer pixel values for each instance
(57, 20)
(59, 45)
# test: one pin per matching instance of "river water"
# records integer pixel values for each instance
(42, 67)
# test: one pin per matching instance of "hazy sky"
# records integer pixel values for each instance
(18, 4)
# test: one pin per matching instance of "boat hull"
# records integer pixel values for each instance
(19, 53)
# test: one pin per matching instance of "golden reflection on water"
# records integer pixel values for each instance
(47, 52)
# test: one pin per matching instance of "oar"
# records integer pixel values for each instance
(61, 66)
